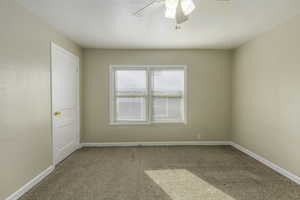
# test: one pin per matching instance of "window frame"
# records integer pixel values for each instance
(148, 97)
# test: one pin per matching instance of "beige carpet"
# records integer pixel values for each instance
(163, 173)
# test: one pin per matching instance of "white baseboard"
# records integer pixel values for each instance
(268, 163)
(30, 184)
(135, 144)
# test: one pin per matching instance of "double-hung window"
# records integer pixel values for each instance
(147, 94)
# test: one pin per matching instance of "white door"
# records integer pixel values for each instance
(64, 103)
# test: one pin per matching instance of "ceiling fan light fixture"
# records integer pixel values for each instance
(171, 6)
(188, 6)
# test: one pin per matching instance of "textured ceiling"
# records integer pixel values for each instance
(214, 24)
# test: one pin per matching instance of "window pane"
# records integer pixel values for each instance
(130, 94)
(167, 109)
(131, 82)
(168, 82)
(131, 109)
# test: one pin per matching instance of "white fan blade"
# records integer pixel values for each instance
(138, 12)
(180, 17)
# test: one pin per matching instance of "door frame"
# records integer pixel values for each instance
(55, 47)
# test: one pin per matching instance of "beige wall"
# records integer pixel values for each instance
(266, 96)
(265, 101)
(209, 95)
(25, 124)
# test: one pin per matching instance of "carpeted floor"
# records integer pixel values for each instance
(163, 173)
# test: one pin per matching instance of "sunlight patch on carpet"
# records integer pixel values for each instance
(180, 184)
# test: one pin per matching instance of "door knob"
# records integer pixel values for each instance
(57, 113)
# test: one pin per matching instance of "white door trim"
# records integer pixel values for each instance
(53, 47)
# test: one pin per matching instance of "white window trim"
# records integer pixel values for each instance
(112, 111)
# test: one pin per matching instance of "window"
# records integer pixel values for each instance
(147, 94)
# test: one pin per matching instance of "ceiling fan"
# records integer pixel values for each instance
(175, 9)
